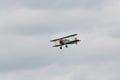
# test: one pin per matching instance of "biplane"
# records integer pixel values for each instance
(65, 41)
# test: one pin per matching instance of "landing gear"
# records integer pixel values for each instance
(60, 47)
(66, 46)
(76, 43)
(76, 40)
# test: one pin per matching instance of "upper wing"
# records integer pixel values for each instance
(63, 37)
(55, 40)
(70, 36)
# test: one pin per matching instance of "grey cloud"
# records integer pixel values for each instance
(47, 29)
(82, 71)
(65, 4)
(43, 61)
(30, 54)
(39, 22)
(32, 22)
(115, 33)
(19, 52)
(55, 4)
(24, 63)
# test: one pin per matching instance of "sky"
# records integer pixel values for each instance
(27, 26)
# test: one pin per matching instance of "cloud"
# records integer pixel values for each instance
(25, 31)
(26, 21)
(54, 72)
(29, 52)
(54, 4)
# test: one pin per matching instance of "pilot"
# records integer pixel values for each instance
(61, 42)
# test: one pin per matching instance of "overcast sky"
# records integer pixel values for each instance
(27, 26)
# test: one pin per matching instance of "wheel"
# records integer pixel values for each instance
(61, 47)
(66, 46)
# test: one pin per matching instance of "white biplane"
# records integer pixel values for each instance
(71, 39)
